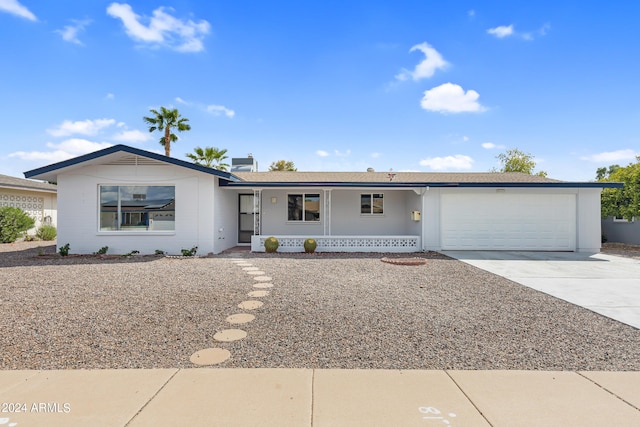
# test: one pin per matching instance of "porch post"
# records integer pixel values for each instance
(257, 208)
(327, 212)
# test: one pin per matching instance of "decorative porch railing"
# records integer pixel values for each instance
(342, 243)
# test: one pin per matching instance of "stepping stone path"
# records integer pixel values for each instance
(213, 356)
(240, 318)
(228, 335)
(210, 356)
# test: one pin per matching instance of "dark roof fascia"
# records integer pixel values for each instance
(143, 153)
(247, 184)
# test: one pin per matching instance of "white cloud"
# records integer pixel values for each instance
(14, 7)
(346, 153)
(433, 61)
(162, 29)
(217, 110)
(458, 161)
(502, 31)
(132, 136)
(471, 13)
(451, 98)
(491, 146)
(375, 155)
(612, 156)
(65, 150)
(182, 101)
(110, 96)
(322, 153)
(70, 32)
(84, 127)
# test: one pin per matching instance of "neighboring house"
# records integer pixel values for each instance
(621, 230)
(130, 199)
(38, 199)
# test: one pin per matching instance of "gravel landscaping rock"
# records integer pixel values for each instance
(323, 311)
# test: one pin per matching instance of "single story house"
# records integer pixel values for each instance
(38, 199)
(130, 199)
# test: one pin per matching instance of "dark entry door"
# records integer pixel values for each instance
(245, 218)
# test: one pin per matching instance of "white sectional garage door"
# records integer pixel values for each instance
(504, 221)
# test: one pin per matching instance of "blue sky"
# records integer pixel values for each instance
(330, 85)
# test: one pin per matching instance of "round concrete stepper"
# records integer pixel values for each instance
(210, 356)
(240, 318)
(250, 268)
(255, 273)
(263, 278)
(227, 335)
(250, 305)
(258, 294)
(244, 264)
(263, 285)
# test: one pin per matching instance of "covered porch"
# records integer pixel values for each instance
(339, 219)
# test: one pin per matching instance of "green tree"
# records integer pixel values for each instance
(211, 157)
(514, 160)
(165, 120)
(624, 202)
(283, 165)
(603, 173)
(13, 223)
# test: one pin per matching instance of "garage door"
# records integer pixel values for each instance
(504, 221)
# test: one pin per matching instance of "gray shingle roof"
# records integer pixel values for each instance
(400, 177)
(7, 181)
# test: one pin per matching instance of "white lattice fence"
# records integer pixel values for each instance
(343, 243)
(32, 205)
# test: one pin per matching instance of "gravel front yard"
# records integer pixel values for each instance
(324, 311)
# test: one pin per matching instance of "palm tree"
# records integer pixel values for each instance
(207, 156)
(165, 120)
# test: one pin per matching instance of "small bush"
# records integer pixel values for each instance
(46, 232)
(271, 244)
(189, 252)
(310, 246)
(14, 222)
(64, 250)
(133, 252)
(159, 252)
(102, 251)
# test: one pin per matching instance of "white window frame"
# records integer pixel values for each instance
(371, 212)
(619, 218)
(303, 220)
(142, 231)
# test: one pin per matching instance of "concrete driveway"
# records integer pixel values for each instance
(606, 284)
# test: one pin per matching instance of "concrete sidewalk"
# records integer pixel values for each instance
(305, 397)
(606, 284)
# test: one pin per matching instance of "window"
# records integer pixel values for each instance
(137, 208)
(372, 204)
(303, 207)
(620, 218)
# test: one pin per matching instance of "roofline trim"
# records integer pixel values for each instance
(120, 147)
(245, 184)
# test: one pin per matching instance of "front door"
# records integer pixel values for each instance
(245, 218)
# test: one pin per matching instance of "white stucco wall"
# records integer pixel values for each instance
(589, 221)
(226, 219)
(78, 203)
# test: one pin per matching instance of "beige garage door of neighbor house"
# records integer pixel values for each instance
(506, 221)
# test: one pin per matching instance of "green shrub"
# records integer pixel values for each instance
(103, 250)
(189, 252)
(271, 244)
(64, 250)
(159, 252)
(310, 246)
(46, 232)
(14, 222)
